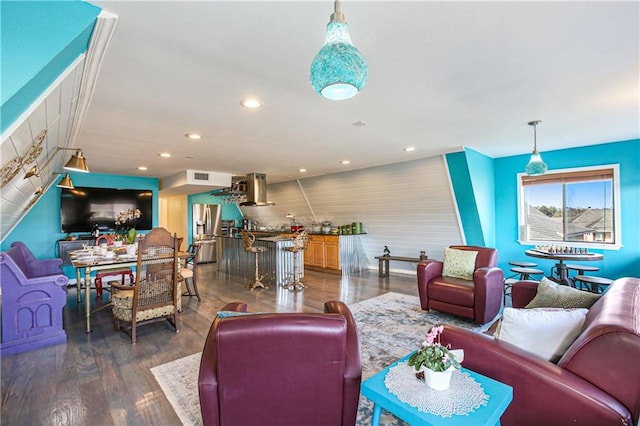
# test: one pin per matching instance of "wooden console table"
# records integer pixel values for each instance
(383, 263)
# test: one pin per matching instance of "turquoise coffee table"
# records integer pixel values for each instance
(500, 395)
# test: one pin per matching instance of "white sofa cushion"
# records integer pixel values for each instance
(545, 332)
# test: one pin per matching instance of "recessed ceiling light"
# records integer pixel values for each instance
(165, 154)
(193, 136)
(251, 103)
(302, 170)
(345, 162)
(142, 168)
(409, 149)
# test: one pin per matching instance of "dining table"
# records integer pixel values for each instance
(560, 266)
(89, 260)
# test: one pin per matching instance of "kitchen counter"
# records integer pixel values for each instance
(275, 263)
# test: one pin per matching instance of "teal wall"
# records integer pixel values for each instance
(460, 175)
(616, 263)
(38, 41)
(482, 179)
(40, 228)
(229, 211)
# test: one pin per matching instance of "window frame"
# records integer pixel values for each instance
(617, 216)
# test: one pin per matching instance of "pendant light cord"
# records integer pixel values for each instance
(337, 15)
(534, 124)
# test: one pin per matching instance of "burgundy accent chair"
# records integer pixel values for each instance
(478, 300)
(33, 295)
(596, 382)
(281, 368)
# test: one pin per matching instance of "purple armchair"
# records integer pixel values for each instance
(33, 295)
(597, 380)
(479, 300)
(282, 368)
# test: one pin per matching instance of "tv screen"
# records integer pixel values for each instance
(81, 208)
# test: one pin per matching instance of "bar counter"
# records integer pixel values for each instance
(276, 264)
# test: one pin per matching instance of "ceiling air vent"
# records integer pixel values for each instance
(193, 182)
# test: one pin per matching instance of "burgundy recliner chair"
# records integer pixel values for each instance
(479, 300)
(281, 368)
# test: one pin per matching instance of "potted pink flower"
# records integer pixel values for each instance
(435, 360)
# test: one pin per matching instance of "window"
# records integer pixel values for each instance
(572, 207)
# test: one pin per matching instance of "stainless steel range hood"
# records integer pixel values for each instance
(257, 190)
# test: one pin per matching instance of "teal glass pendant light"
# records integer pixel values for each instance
(338, 71)
(536, 166)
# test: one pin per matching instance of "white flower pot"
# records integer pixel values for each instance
(117, 243)
(132, 249)
(438, 380)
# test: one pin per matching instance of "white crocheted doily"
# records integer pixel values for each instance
(463, 396)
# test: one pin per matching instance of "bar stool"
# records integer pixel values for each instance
(299, 244)
(248, 240)
(580, 270)
(523, 264)
(188, 271)
(522, 270)
(593, 283)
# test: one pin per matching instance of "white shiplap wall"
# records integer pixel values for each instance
(405, 206)
(54, 112)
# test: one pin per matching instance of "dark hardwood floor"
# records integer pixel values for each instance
(102, 379)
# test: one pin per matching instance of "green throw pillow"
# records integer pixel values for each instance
(553, 295)
(459, 263)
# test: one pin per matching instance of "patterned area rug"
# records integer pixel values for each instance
(390, 326)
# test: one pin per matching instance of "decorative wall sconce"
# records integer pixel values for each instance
(76, 163)
(65, 182)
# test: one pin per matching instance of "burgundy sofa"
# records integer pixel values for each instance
(33, 295)
(596, 382)
(281, 369)
(478, 300)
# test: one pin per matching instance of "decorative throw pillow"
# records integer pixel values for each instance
(553, 295)
(544, 332)
(459, 263)
(229, 314)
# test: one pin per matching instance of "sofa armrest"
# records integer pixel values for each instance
(40, 268)
(353, 368)
(543, 393)
(426, 271)
(488, 288)
(523, 292)
(207, 376)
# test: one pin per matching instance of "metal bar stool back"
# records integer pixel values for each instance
(248, 239)
(299, 244)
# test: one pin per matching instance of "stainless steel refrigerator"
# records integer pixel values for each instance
(207, 225)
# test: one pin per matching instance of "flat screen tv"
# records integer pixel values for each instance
(81, 208)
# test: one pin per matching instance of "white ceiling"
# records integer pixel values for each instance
(441, 75)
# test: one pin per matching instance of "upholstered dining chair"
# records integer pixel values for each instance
(156, 291)
(473, 291)
(281, 368)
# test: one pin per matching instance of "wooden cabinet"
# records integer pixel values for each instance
(332, 252)
(323, 251)
(315, 251)
(66, 246)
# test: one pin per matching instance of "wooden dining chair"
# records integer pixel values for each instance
(156, 291)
